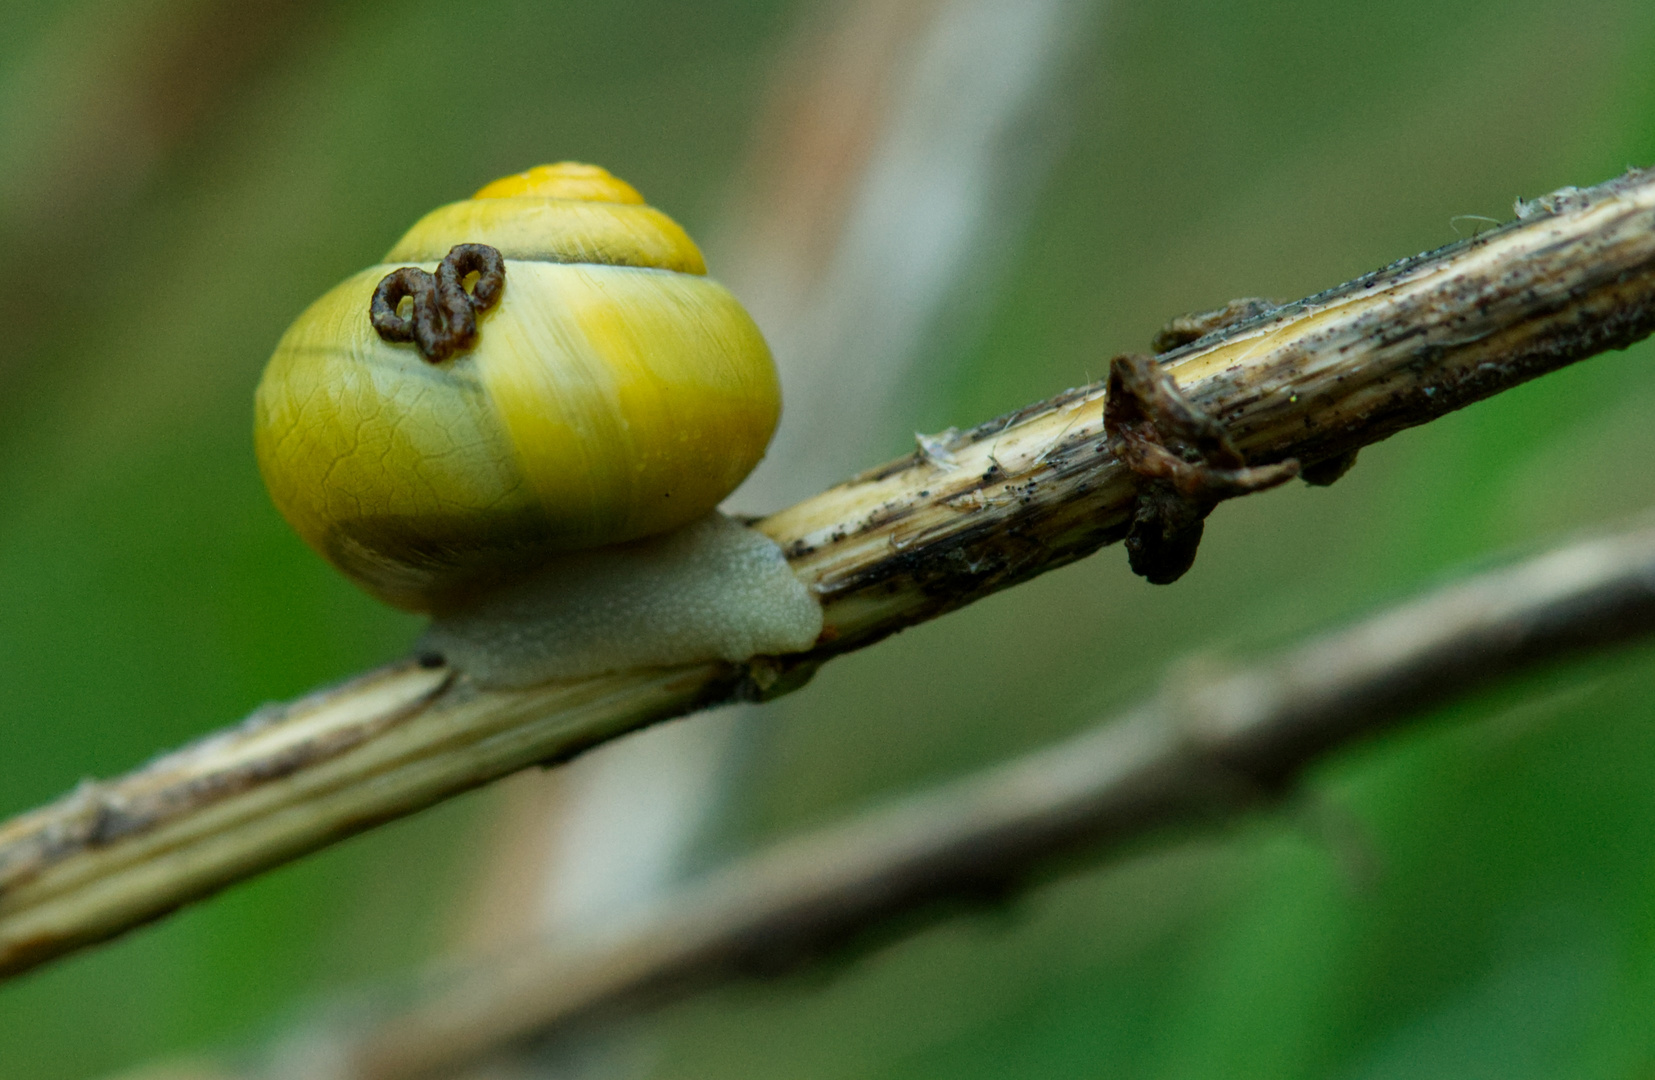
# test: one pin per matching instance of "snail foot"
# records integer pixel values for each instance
(1185, 463)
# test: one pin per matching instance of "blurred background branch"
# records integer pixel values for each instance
(94, 117)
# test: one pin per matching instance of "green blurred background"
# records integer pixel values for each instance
(178, 178)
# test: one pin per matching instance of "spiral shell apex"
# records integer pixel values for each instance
(603, 391)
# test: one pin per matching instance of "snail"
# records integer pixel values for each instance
(537, 384)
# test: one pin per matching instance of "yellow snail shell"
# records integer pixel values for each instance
(613, 392)
(523, 421)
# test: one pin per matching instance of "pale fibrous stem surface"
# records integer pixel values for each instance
(967, 514)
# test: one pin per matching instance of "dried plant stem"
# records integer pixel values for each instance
(1195, 753)
(968, 515)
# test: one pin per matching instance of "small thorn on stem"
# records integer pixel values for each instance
(1185, 463)
(1196, 325)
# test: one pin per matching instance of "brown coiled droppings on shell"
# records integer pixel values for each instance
(443, 320)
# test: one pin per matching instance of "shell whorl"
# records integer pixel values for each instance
(564, 213)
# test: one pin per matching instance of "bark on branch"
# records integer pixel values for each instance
(966, 515)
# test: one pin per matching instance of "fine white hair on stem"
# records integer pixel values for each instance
(1454, 221)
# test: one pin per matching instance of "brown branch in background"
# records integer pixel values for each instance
(114, 95)
(965, 516)
(1194, 754)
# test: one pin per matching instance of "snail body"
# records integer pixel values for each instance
(603, 391)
